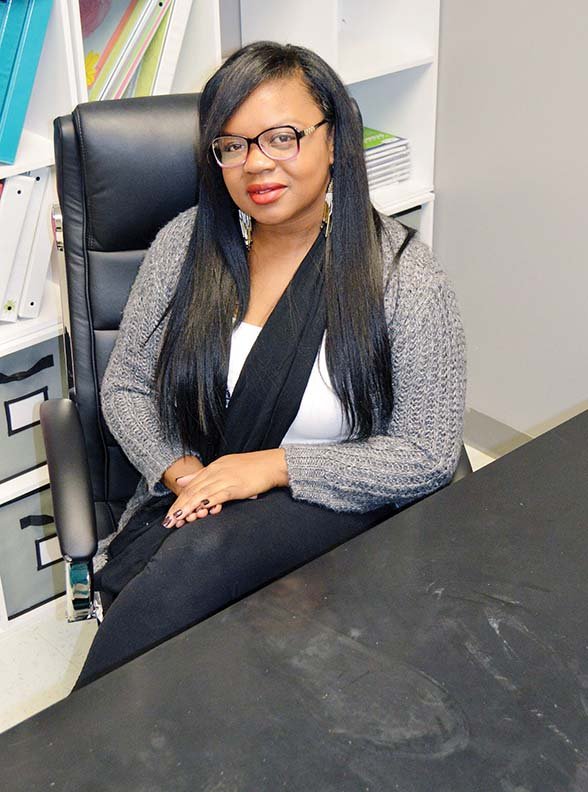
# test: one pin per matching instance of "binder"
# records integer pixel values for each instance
(146, 75)
(30, 34)
(38, 264)
(9, 307)
(96, 50)
(12, 17)
(126, 47)
(170, 51)
(141, 42)
(13, 208)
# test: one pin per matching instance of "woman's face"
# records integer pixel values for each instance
(299, 184)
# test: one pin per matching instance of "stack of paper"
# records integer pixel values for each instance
(26, 244)
(23, 24)
(126, 46)
(387, 157)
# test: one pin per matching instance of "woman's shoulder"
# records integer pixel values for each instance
(416, 272)
(167, 252)
(417, 259)
(174, 236)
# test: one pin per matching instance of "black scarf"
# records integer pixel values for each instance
(268, 393)
(263, 405)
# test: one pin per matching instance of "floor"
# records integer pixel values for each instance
(41, 654)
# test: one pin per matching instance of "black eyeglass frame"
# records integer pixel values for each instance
(300, 133)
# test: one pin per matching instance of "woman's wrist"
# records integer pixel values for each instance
(181, 467)
(282, 478)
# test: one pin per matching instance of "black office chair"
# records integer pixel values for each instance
(124, 169)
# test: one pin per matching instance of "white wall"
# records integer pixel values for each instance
(511, 180)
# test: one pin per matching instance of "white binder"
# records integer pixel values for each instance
(40, 256)
(9, 308)
(13, 208)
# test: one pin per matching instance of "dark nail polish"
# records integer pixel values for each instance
(205, 502)
(177, 513)
(166, 522)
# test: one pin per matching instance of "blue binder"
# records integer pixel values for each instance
(12, 17)
(23, 24)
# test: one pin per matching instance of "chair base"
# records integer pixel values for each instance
(79, 603)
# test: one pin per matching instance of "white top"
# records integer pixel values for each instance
(320, 418)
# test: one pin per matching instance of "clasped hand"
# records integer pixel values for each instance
(231, 477)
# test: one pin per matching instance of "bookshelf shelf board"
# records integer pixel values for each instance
(403, 195)
(26, 332)
(356, 74)
(24, 483)
(34, 151)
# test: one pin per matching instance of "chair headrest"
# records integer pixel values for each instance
(139, 156)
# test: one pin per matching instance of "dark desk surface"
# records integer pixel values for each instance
(443, 650)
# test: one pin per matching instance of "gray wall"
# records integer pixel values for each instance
(230, 18)
(511, 179)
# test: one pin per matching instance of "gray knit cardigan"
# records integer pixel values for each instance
(417, 455)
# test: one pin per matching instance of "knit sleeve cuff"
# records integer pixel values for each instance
(312, 477)
(300, 469)
(153, 469)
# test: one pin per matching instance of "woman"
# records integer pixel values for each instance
(290, 366)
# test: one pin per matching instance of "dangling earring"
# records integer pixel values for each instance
(246, 228)
(328, 210)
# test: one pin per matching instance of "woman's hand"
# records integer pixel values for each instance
(180, 473)
(181, 482)
(231, 477)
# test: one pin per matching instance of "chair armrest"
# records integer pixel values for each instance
(69, 474)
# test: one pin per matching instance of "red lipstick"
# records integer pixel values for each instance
(265, 193)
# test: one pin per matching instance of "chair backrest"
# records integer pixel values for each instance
(124, 169)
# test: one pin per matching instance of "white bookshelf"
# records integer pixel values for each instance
(200, 53)
(54, 93)
(60, 85)
(378, 37)
(34, 151)
(27, 332)
(395, 198)
(386, 52)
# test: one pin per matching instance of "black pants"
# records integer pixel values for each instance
(210, 563)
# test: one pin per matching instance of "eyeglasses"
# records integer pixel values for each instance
(277, 143)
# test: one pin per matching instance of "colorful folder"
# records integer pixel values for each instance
(111, 65)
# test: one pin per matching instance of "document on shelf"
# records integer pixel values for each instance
(14, 203)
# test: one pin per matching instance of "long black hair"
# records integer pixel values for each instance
(191, 373)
